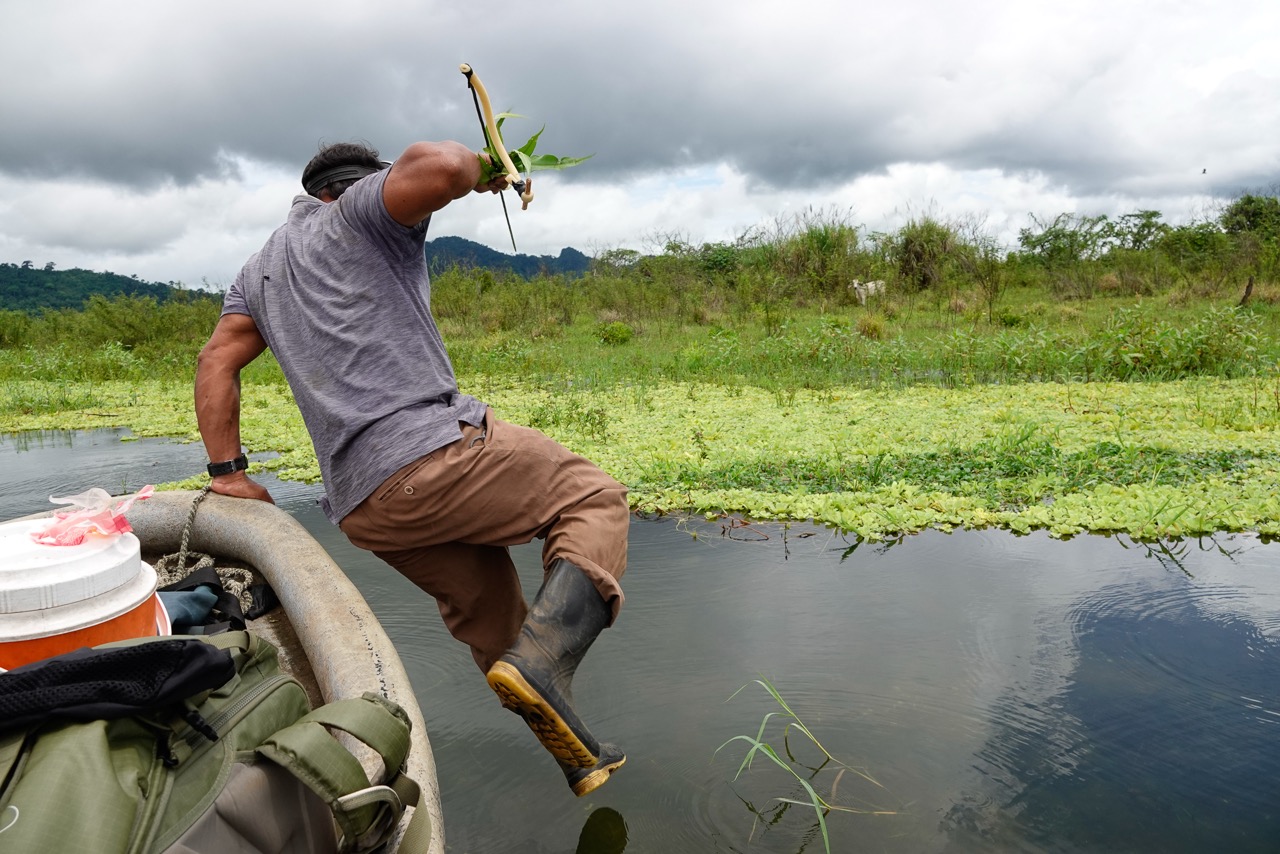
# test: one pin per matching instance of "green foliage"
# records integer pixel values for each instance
(568, 411)
(15, 329)
(1009, 319)
(1138, 231)
(1131, 344)
(125, 337)
(1223, 341)
(1198, 249)
(718, 259)
(1258, 215)
(615, 260)
(615, 333)
(982, 259)
(1066, 241)
(47, 398)
(871, 326)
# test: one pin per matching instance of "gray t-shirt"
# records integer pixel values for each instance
(341, 294)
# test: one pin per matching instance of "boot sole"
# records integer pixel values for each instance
(556, 736)
(596, 778)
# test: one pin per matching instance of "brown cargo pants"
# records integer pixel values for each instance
(446, 520)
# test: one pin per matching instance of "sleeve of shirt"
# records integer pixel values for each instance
(365, 211)
(234, 302)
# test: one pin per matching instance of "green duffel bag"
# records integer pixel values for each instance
(244, 768)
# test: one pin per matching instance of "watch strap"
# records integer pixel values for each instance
(240, 463)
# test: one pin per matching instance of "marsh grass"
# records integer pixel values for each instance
(48, 397)
(803, 775)
(751, 326)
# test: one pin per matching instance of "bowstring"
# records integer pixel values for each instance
(489, 144)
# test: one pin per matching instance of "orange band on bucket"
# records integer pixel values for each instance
(140, 622)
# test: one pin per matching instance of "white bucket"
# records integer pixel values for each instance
(54, 599)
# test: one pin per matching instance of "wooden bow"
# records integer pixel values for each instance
(493, 139)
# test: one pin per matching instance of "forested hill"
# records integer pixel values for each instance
(29, 288)
(446, 252)
(24, 287)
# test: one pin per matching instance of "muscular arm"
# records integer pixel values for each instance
(428, 176)
(235, 343)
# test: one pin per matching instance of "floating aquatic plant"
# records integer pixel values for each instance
(1063, 458)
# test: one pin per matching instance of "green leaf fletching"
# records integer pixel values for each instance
(524, 158)
(550, 161)
(529, 146)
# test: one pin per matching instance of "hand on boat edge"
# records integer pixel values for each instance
(238, 485)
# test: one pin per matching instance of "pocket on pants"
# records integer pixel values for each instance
(402, 477)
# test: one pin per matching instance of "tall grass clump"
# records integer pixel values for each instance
(757, 746)
(819, 252)
(923, 253)
(15, 329)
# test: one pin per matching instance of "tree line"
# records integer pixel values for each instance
(27, 288)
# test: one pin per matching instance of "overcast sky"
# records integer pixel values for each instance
(165, 139)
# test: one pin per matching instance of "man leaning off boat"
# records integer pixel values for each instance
(414, 471)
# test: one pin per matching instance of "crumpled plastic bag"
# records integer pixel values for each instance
(91, 513)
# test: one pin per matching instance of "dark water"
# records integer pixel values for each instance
(1004, 693)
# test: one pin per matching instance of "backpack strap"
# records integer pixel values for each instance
(365, 814)
(243, 641)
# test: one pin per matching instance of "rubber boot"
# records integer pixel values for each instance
(533, 678)
(586, 780)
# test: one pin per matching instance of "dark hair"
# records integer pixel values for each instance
(336, 167)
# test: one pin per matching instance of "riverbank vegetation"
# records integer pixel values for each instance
(1103, 375)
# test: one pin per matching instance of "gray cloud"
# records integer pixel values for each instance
(1127, 100)
(153, 95)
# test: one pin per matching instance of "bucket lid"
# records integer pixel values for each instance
(35, 577)
(64, 619)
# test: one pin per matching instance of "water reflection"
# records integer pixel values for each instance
(1150, 741)
(999, 692)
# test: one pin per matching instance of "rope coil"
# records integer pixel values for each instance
(173, 568)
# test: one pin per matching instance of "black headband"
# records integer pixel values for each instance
(339, 173)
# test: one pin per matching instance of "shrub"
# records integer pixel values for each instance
(615, 333)
(871, 326)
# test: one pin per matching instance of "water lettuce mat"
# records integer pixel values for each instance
(1170, 459)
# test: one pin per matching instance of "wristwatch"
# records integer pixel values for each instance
(240, 463)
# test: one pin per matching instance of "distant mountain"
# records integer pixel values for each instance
(444, 253)
(30, 288)
(25, 287)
